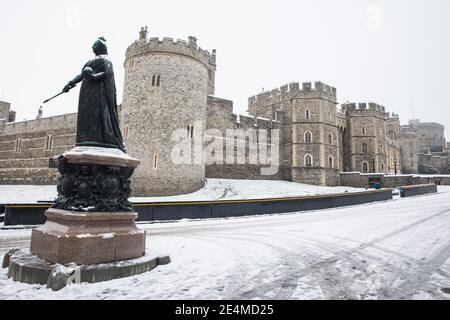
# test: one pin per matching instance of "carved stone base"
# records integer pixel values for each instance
(94, 179)
(88, 237)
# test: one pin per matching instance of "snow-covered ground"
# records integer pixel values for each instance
(214, 189)
(397, 249)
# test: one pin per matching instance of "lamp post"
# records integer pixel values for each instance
(373, 162)
(395, 165)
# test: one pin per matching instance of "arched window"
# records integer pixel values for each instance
(158, 81)
(382, 167)
(365, 167)
(365, 149)
(192, 132)
(330, 138)
(363, 131)
(308, 137)
(307, 114)
(381, 148)
(330, 161)
(188, 129)
(308, 160)
(153, 81)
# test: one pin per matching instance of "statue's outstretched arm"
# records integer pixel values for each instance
(72, 82)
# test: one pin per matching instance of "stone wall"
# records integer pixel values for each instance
(409, 152)
(243, 172)
(219, 114)
(220, 123)
(437, 160)
(361, 180)
(25, 148)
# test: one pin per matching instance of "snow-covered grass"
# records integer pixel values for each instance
(397, 249)
(215, 189)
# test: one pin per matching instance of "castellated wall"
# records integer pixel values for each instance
(220, 117)
(25, 148)
(153, 110)
(266, 103)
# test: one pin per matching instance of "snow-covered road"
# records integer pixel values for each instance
(392, 250)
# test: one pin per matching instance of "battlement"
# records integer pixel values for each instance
(363, 106)
(170, 45)
(43, 124)
(293, 90)
(434, 125)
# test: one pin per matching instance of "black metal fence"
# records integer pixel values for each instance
(410, 191)
(33, 214)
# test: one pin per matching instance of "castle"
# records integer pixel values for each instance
(169, 87)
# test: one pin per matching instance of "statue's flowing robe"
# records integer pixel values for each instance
(98, 123)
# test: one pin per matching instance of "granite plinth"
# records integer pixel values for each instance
(86, 238)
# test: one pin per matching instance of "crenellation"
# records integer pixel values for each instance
(169, 45)
(307, 86)
(320, 86)
(294, 87)
(167, 40)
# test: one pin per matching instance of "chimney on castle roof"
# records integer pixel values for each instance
(213, 56)
(143, 34)
(12, 116)
(192, 42)
(40, 113)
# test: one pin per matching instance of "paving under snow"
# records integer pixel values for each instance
(214, 189)
(397, 249)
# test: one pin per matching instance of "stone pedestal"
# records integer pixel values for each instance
(90, 234)
(92, 220)
(88, 237)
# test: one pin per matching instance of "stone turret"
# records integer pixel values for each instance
(166, 87)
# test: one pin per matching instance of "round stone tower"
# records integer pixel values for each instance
(164, 104)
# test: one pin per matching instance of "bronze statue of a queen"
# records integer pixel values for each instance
(98, 123)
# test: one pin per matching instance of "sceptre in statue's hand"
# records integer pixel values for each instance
(87, 72)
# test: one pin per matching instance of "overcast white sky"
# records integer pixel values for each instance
(394, 52)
